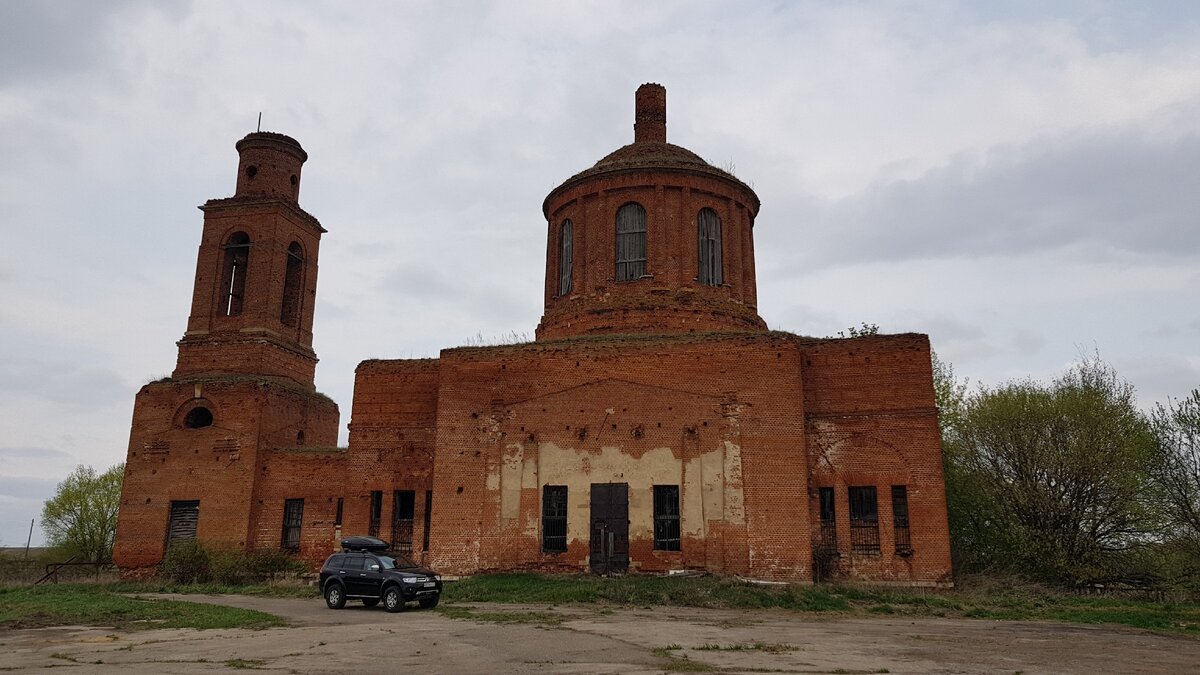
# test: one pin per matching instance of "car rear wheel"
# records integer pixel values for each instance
(335, 596)
(370, 602)
(392, 600)
(428, 603)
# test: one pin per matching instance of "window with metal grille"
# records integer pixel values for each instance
(233, 276)
(666, 517)
(554, 518)
(631, 242)
(402, 520)
(182, 524)
(708, 244)
(376, 513)
(293, 281)
(864, 520)
(565, 245)
(900, 519)
(293, 518)
(828, 538)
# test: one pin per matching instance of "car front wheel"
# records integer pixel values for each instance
(335, 596)
(392, 600)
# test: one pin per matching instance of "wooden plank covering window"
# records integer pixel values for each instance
(631, 242)
(293, 518)
(554, 518)
(864, 520)
(666, 517)
(185, 515)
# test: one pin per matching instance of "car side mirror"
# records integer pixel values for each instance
(374, 568)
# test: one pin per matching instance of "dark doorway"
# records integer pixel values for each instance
(610, 528)
(402, 520)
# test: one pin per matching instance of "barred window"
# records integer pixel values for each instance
(631, 242)
(233, 276)
(565, 245)
(293, 517)
(900, 519)
(666, 517)
(864, 520)
(708, 244)
(828, 539)
(554, 518)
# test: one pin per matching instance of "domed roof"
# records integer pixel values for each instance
(649, 150)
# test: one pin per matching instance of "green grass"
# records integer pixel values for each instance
(266, 590)
(95, 605)
(1011, 601)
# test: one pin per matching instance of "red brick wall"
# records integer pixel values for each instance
(221, 465)
(872, 421)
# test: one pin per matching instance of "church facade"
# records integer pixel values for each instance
(654, 424)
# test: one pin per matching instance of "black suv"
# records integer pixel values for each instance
(364, 571)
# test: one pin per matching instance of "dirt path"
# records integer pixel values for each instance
(592, 639)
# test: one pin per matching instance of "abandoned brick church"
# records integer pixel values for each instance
(654, 424)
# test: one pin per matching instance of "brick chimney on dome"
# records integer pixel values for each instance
(650, 114)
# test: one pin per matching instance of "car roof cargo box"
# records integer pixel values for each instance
(364, 544)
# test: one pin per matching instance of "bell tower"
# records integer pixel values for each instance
(256, 272)
(242, 390)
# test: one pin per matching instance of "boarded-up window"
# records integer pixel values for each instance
(631, 242)
(293, 282)
(864, 520)
(554, 518)
(708, 243)
(565, 253)
(828, 538)
(402, 520)
(376, 513)
(900, 519)
(182, 524)
(233, 274)
(337, 520)
(293, 518)
(666, 517)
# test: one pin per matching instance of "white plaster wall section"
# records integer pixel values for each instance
(511, 476)
(659, 466)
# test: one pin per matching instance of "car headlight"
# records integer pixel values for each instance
(409, 580)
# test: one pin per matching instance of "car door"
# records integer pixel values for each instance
(351, 575)
(371, 577)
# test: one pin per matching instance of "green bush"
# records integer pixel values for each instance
(192, 563)
(186, 563)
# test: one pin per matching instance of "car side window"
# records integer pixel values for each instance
(335, 561)
(353, 562)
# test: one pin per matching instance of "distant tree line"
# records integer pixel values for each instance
(1069, 482)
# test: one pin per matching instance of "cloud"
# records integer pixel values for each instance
(31, 453)
(1111, 194)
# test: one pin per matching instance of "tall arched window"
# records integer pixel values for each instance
(233, 274)
(293, 281)
(708, 240)
(565, 244)
(631, 242)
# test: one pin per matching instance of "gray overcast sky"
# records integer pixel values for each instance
(1018, 180)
